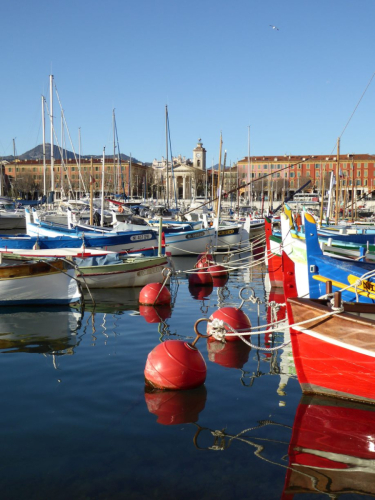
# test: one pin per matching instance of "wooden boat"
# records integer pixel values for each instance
(38, 283)
(331, 450)
(111, 272)
(334, 351)
(356, 279)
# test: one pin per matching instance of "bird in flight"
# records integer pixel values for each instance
(274, 27)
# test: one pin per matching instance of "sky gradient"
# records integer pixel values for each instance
(218, 65)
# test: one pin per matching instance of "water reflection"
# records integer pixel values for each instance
(228, 354)
(28, 329)
(332, 449)
(176, 407)
(111, 300)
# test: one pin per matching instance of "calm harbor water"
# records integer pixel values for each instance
(77, 422)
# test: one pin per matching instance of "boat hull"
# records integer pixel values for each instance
(193, 242)
(37, 283)
(334, 356)
(141, 272)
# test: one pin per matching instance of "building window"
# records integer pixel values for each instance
(365, 182)
(365, 173)
(291, 174)
(358, 182)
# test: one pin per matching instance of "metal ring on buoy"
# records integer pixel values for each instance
(167, 273)
(249, 299)
(199, 335)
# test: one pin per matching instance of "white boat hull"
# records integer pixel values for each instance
(52, 288)
(189, 243)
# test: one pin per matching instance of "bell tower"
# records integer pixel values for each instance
(199, 156)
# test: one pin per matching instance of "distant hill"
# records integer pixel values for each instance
(37, 154)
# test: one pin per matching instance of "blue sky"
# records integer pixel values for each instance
(217, 64)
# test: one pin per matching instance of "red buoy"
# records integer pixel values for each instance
(155, 314)
(204, 260)
(175, 365)
(200, 292)
(219, 282)
(200, 277)
(218, 271)
(176, 407)
(154, 294)
(234, 317)
(229, 354)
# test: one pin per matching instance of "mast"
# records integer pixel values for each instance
(218, 176)
(102, 203)
(166, 141)
(130, 176)
(249, 194)
(337, 181)
(79, 161)
(115, 174)
(44, 147)
(51, 120)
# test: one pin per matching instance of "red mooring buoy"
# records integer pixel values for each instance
(200, 277)
(219, 282)
(218, 271)
(204, 260)
(154, 294)
(175, 365)
(176, 407)
(234, 317)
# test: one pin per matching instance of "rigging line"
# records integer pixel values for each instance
(119, 161)
(355, 109)
(172, 169)
(71, 142)
(253, 181)
(60, 148)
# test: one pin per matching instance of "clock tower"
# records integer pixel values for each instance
(199, 156)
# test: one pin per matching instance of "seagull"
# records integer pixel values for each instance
(274, 27)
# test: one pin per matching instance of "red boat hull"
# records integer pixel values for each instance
(334, 355)
(274, 261)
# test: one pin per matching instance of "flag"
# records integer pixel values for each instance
(92, 179)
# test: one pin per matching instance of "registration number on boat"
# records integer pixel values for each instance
(152, 270)
(227, 231)
(196, 235)
(138, 237)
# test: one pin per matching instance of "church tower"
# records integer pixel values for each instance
(199, 156)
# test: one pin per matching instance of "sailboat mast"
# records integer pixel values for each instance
(166, 143)
(337, 182)
(51, 120)
(248, 167)
(218, 177)
(102, 203)
(115, 173)
(79, 161)
(44, 147)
